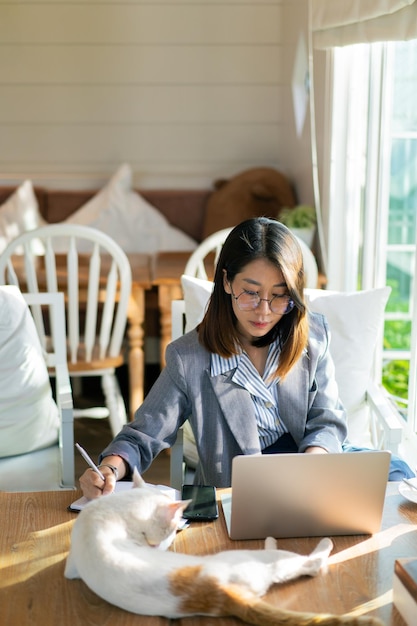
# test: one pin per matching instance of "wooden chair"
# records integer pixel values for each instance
(94, 274)
(209, 250)
(52, 467)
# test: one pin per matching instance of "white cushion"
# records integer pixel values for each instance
(28, 414)
(37, 471)
(196, 296)
(129, 219)
(355, 320)
(150, 231)
(18, 214)
(111, 198)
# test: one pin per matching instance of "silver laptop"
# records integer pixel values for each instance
(306, 495)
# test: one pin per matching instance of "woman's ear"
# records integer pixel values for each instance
(226, 284)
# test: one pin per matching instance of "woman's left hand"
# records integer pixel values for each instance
(315, 450)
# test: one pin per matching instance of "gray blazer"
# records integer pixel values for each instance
(221, 413)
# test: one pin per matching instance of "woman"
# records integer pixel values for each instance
(256, 375)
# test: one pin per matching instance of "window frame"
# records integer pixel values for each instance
(359, 261)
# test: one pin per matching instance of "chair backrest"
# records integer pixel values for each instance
(213, 243)
(197, 263)
(56, 359)
(93, 272)
(310, 265)
(55, 353)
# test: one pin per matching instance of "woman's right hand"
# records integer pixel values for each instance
(93, 486)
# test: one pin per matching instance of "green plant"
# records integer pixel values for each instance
(395, 379)
(300, 216)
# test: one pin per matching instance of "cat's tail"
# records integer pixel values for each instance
(260, 613)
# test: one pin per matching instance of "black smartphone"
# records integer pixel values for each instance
(204, 504)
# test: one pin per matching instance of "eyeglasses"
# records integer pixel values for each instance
(250, 300)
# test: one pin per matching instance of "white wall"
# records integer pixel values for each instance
(186, 92)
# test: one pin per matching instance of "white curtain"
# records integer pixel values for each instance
(342, 23)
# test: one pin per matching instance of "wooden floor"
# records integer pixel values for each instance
(95, 434)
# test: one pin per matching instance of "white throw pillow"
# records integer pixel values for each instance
(355, 320)
(129, 219)
(28, 414)
(196, 296)
(111, 198)
(19, 214)
(150, 231)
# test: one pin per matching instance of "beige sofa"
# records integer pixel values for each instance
(183, 208)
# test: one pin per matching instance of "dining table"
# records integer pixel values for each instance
(167, 269)
(35, 539)
(141, 266)
(161, 272)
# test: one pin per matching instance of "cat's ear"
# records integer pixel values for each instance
(137, 479)
(174, 510)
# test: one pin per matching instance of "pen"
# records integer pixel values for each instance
(89, 460)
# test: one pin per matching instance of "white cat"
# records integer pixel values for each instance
(118, 548)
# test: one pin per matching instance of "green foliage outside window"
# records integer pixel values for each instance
(395, 380)
(397, 334)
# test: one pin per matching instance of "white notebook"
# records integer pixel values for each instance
(121, 485)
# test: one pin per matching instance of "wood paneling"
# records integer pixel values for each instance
(148, 104)
(146, 143)
(139, 64)
(147, 23)
(196, 89)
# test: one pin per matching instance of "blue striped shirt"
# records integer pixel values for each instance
(262, 389)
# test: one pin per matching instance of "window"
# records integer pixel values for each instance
(373, 197)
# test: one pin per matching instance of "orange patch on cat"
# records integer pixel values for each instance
(199, 594)
(203, 595)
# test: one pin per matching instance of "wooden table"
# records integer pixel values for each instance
(167, 269)
(141, 281)
(34, 541)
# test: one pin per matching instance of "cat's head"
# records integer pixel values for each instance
(159, 516)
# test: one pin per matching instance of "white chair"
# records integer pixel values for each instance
(212, 245)
(44, 467)
(355, 321)
(95, 275)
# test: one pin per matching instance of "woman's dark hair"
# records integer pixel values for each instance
(258, 238)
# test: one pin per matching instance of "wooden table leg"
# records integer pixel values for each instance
(167, 293)
(135, 334)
